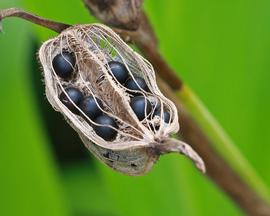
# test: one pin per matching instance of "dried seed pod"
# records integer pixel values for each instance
(139, 141)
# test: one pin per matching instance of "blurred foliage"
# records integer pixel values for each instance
(221, 48)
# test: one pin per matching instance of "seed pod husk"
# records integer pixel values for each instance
(139, 142)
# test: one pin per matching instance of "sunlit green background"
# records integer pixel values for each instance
(220, 48)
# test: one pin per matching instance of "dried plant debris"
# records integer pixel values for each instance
(108, 94)
(108, 12)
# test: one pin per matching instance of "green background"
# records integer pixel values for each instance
(220, 48)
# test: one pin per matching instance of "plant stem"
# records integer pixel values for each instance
(50, 24)
(218, 170)
(221, 141)
(170, 145)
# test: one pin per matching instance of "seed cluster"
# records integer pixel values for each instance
(64, 65)
(95, 78)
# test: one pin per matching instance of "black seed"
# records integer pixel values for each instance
(90, 107)
(106, 155)
(141, 106)
(119, 71)
(139, 86)
(63, 64)
(133, 165)
(104, 131)
(75, 96)
(166, 115)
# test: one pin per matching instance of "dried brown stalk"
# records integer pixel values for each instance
(107, 10)
(16, 12)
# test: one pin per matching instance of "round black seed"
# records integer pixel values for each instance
(141, 106)
(104, 131)
(75, 96)
(119, 71)
(166, 115)
(90, 107)
(63, 64)
(139, 85)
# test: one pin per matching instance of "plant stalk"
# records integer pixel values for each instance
(221, 141)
